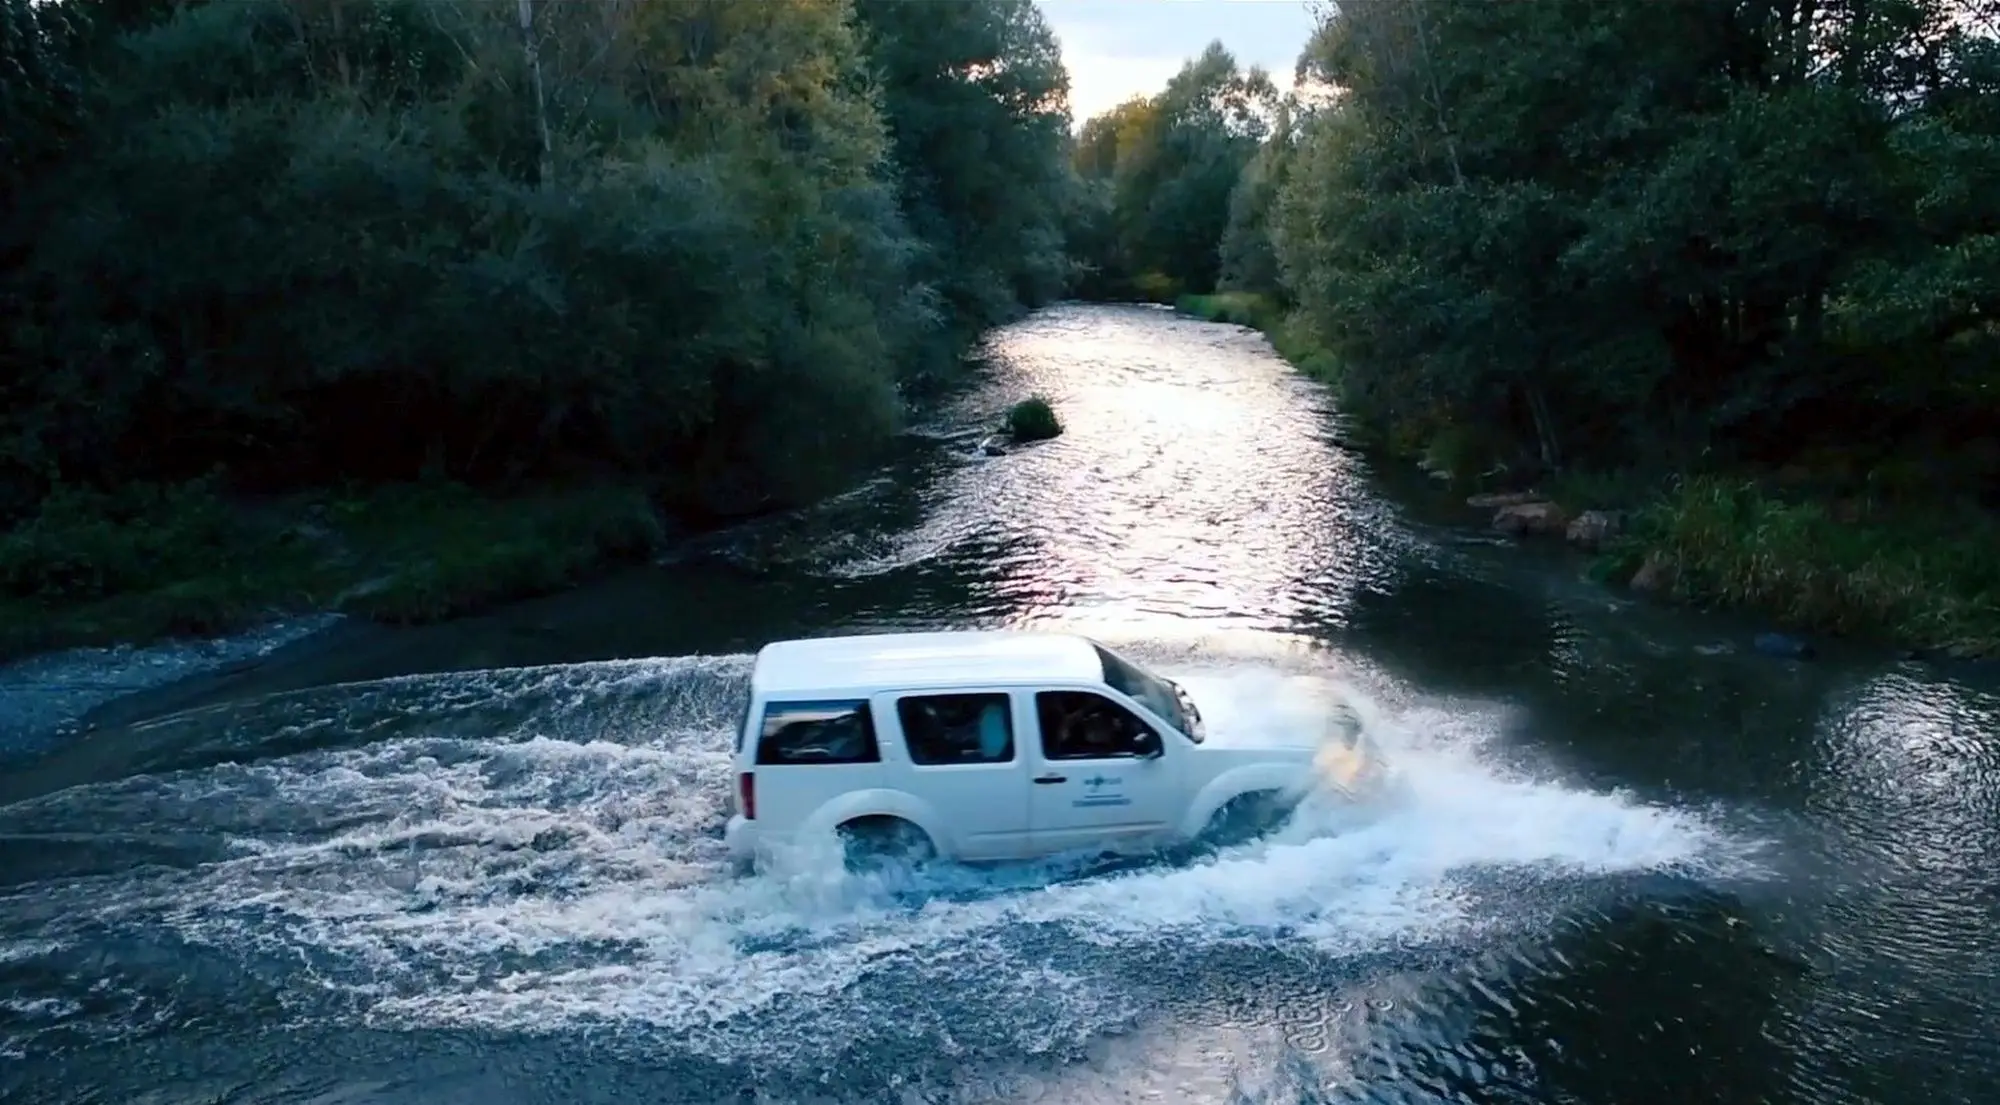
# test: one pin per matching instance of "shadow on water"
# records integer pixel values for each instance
(1626, 861)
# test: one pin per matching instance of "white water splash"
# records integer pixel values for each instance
(43, 696)
(568, 871)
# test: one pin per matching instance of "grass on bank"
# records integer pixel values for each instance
(1238, 308)
(1922, 574)
(1261, 313)
(152, 562)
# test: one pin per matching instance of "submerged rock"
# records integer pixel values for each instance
(1655, 574)
(1782, 644)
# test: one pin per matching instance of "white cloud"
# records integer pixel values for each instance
(1117, 49)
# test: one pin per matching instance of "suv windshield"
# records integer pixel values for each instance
(1159, 696)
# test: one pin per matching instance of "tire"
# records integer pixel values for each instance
(1244, 818)
(873, 845)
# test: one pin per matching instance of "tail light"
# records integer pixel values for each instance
(746, 795)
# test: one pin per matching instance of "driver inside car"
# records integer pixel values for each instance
(1090, 731)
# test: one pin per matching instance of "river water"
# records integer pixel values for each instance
(1626, 860)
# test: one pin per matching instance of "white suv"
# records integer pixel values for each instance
(996, 745)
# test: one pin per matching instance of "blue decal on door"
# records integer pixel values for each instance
(1099, 795)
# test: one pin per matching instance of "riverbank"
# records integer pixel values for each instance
(153, 563)
(1801, 545)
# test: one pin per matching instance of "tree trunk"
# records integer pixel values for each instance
(1545, 428)
(547, 172)
(1437, 94)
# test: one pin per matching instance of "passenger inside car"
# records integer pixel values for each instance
(948, 729)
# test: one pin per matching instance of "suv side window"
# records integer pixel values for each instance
(1082, 725)
(840, 732)
(957, 728)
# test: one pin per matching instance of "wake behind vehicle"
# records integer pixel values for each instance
(996, 745)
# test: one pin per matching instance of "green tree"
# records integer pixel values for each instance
(326, 240)
(1164, 169)
(1248, 259)
(1631, 229)
(976, 98)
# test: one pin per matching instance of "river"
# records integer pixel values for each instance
(1628, 860)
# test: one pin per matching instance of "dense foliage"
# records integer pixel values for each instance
(710, 246)
(1618, 231)
(1730, 240)
(711, 250)
(1156, 175)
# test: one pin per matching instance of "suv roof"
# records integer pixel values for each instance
(886, 661)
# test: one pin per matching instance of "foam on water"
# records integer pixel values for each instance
(42, 697)
(564, 869)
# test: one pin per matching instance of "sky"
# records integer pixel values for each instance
(1116, 49)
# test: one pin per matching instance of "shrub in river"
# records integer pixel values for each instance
(1033, 419)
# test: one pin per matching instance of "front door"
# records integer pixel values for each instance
(1092, 785)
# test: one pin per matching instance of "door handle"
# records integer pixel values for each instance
(1052, 778)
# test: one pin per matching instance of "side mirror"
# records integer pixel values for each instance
(1148, 745)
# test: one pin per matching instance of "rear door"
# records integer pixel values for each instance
(810, 750)
(1091, 786)
(960, 752)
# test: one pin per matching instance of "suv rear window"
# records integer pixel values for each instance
(957, 729)
(833, 732)
(741, 738)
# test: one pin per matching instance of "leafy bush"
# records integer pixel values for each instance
(83, 544)
(1927, 579)
(1033, 419)
(92, 568)
(310, 245)
(1156, 287)
(438, 551)
(1241, 308)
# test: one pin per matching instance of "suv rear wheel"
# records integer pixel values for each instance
(876, 844)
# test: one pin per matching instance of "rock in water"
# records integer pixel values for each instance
(1530, 519)
(1656, 574)
(1508, 498)
(1593, 528)
(1780, 644)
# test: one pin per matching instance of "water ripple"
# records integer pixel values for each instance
(1191, 481)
